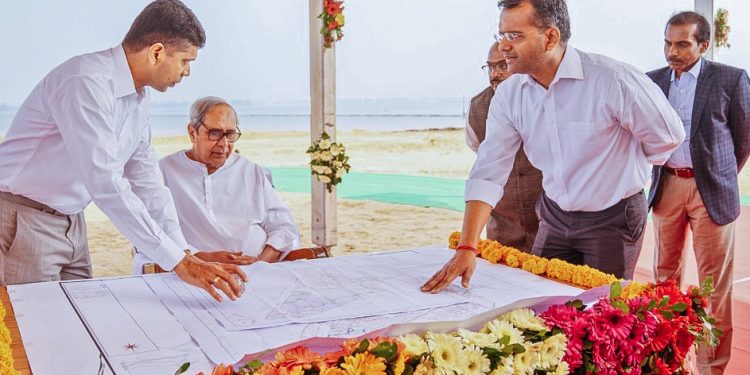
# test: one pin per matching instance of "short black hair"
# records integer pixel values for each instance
(548, 13)
(169, 22)
(703, 32)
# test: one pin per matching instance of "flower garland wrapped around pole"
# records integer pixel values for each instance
(333, 22)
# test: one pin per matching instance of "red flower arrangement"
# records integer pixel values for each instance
(333, 22)
(650, 333)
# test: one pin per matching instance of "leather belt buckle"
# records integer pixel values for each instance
(681, 172)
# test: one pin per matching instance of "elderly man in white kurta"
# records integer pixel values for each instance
(225, 204)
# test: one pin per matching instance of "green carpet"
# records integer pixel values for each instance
(421, 191)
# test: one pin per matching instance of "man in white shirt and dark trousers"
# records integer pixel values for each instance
(83, 134)
(591, 124)
(513, 221)
(225, 203)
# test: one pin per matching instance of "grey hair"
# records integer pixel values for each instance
(203, 105)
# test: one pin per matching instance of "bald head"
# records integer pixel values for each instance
(498, 71)
(494, 54)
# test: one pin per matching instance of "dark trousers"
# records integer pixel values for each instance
(609, 240)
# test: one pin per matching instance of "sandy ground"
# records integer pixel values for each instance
(363, 226)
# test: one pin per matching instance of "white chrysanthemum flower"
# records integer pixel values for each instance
(562, 369)
(414, 344)
(326, 156)
(324, 179)
(552, 351)
(446, 352)
(324, 144)
(326, 170)
(335, 149)
(476, 362)
(500, 328)
(314, 155)
(340, 172)
(526, 362)
(504, 366)
(478, 339)
(525, 319)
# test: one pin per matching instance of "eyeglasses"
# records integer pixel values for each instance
(510, 36)
(498, 67)
(218, 134)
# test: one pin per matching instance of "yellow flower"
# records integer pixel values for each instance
(414, 344)
(400, 365)
(2, 311)
(425, 367)
(446, 352)
(512, 260)
(4, 335)
(324, 179)
(332, 371)
(340, 19)
(633, 289)
(453, 239)
(525, 319)
(363, 363)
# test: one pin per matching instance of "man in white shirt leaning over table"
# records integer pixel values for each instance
(591, 124)
(83, 134)
(224, 201)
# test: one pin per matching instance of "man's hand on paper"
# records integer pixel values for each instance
(226, 257)
(461, 264)
(211, 276)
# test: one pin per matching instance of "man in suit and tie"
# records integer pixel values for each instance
(697, 188)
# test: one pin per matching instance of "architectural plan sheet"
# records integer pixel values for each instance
(152, 324)
(492, 287)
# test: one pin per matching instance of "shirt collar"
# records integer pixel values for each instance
(202, 167)
(123, 78)
(694, 71)
(570, 67)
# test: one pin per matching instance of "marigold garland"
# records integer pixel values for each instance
(6, 354)
(579, 275)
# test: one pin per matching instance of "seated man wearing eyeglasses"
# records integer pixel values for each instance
(224, 201)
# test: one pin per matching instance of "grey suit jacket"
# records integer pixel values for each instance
(719, 136)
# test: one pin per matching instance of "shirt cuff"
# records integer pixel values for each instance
(168, 254)
(179, 239)
(483, 190)
(281, 244)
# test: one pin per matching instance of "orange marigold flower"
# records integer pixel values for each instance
(299, 356)
(453, 240)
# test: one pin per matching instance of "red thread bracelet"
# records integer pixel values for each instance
(467, 247)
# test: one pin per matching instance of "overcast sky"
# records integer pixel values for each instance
(258, 50)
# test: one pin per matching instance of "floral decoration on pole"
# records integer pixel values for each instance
(721, 28)
(328, 161)
(333, 22)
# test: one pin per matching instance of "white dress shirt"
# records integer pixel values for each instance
(681, 97)
(233, 209)
(83, 134)
(592, 134)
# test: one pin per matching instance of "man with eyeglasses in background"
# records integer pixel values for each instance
(513, 221)
(225, 203)
(591, 124)
(82, 135)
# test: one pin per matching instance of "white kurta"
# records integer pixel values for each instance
(233, 209)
